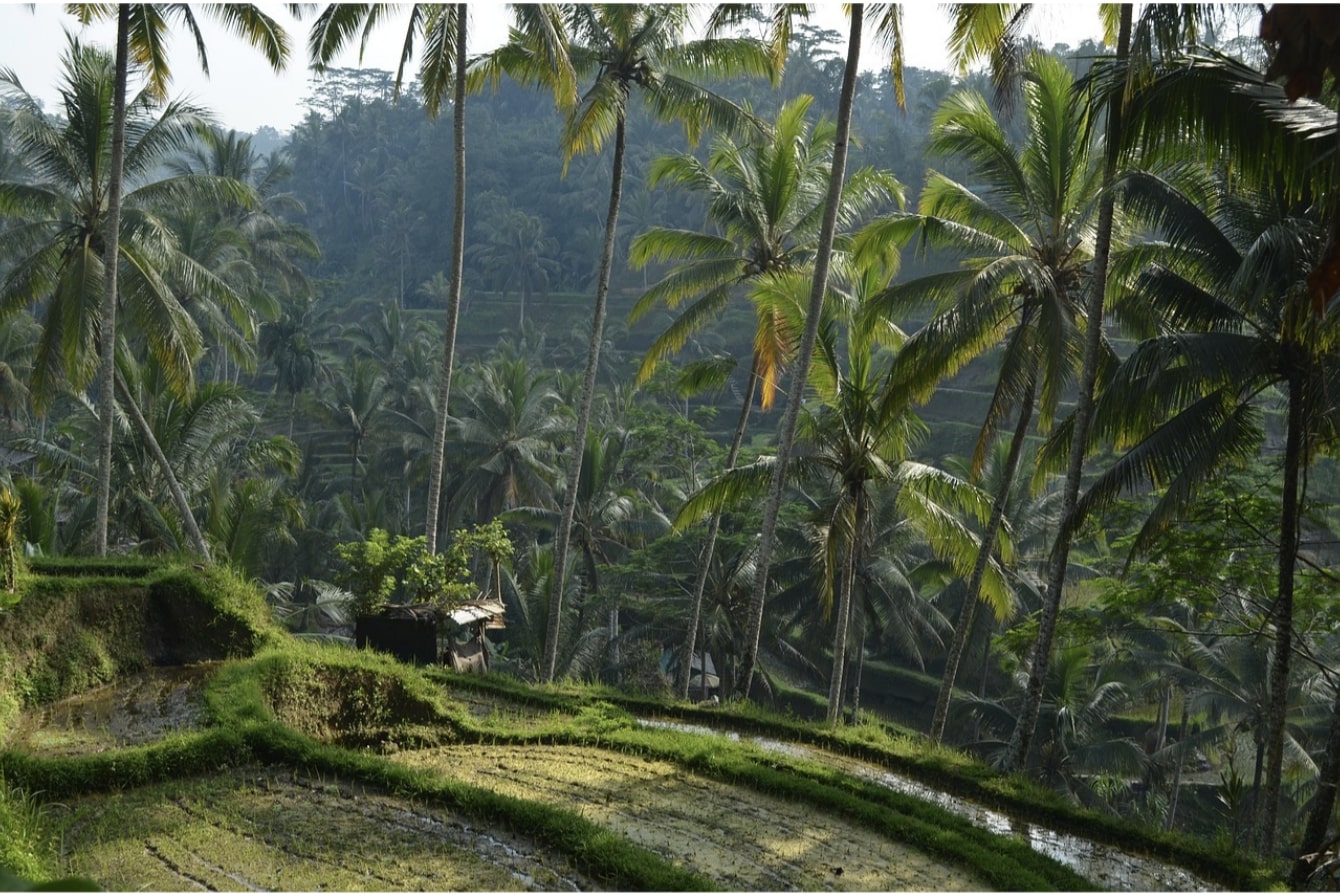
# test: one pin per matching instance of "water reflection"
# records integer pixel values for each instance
(1105, 865)
(135, 710)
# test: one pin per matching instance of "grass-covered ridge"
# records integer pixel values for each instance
(68, 633)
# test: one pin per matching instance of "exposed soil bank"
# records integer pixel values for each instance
(740, 839)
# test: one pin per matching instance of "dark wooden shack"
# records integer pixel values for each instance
(430, 634)
(406, 632)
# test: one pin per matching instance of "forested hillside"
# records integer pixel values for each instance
(1013, 423)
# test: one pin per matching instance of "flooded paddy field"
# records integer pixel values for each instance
(135, 710)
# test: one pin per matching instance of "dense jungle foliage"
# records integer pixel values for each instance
(1014, 422)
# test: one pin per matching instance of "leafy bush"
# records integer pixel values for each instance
(382, 570)
(11, 521)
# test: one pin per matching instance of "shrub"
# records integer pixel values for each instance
(11, 522)
(382, 570)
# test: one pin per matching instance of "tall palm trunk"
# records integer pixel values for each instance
(786, 436)
(974, 589)
(709, 549)
(1294, 452)
(564, 535)
(110, 256)
(454, 292)
(1314, 834)
(1022, 737)
(837, 682)
(174, 486)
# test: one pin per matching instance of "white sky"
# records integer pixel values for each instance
(245, 94)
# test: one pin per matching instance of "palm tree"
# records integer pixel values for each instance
(288, 343)
(518, 254)
(506, 428)
(988, 28)
(889, 30)
(613, 515)
(854, 449)
(65, 227)
(1025, 231)
(765, 205)
(624, 47)
(1080, 697)
(356, 407)
(250, 246)
(1231, 282)
(141, 29)
(442, 29)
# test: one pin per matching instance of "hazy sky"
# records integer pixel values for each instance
(245, 94)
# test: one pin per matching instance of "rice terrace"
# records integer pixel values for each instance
(267, 763)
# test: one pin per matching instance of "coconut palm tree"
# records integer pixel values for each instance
(1231, 282)
(765, 203)
(442, 31)
(288, 343)
(251, 247)
(518, 254)
(854, 447)
(1273, 142)
(65, 224)
(141, 30)
(888, 29)
(506, 428)
(1025, 231)
(624, 46)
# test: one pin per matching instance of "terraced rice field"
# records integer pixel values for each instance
(740, 839)
(267, 830)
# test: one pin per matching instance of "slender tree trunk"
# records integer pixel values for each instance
(1258, 771)
(110, 256)
(1314, 835)
(974, 589)
(838, 677)
(454, 292)
(856, 684)
(1323, 804)
(976, 734)
(1161, 720)
(796, 394)
(709, 549)
(561, 541)
(174, 486)
(1294, 458)
(1021, 739)
(1177, 770)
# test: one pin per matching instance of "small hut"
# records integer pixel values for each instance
(467, 648)
(430, 634)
